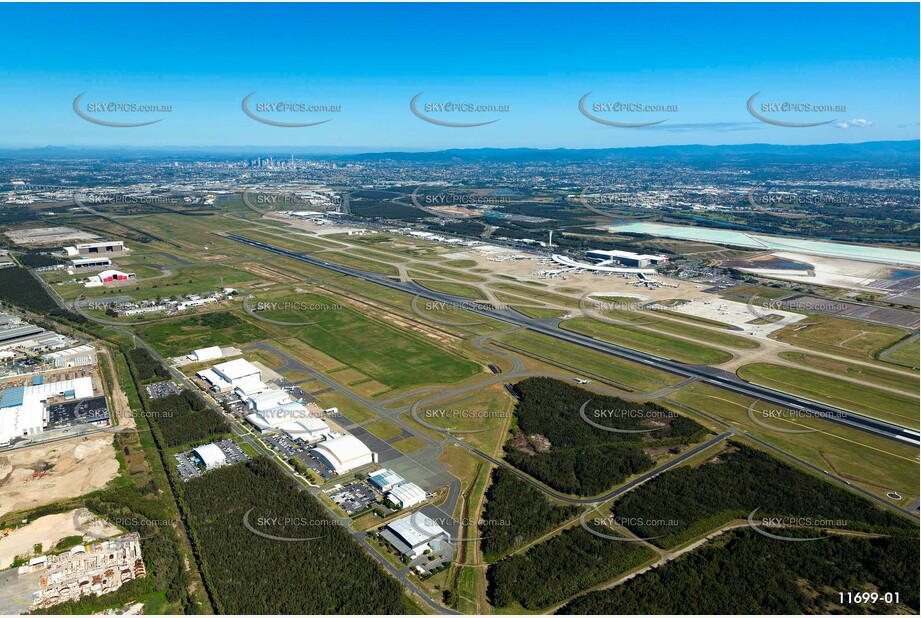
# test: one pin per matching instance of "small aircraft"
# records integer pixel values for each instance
(581, 381)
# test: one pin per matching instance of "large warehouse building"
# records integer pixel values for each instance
(414, 534)
(23, 408)
(625, 258)
(211, 456)
(344, 454)
(95, 248)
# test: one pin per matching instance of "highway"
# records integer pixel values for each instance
(703, 373)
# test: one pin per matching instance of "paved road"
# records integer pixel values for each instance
(709, 375)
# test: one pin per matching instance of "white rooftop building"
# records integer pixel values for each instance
(385, 479)
(210, 455)
(414, 534)
(78, 356)
(307, 429)
(238, 371)
(406, 495)
(344, 454)
(206, 354)
(23, 408)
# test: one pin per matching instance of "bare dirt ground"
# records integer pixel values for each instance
(47, 473)
(48, 531)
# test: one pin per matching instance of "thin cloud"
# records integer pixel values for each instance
(855, 123)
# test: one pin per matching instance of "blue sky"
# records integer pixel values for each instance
(704, 61)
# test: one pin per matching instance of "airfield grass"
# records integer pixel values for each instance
(347, 407)
(383, 429)
(467, 590)
(872, 375)
(449, 287)
(877, 464)
(182, 335)
(344, 259)
(392, 356)
(532, 294)
(651, 319)
(461, 263)
(571, 357)
(840, 336)
(284, 240)
(481, 418)
(456, 275)
(675, 349)
(908, 354)
(408, 445)
(381, 256)
(884, 405)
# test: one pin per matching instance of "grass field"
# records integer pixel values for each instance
(408, 445)
(675, 349)
(449, 287)
(580, 359)
(908, 354)
(182, 335)
(874, 463)
(870, 374)
(383, 429)
(344, 259)
(483, 415)
(840, 336)
(684, 325)
(392, 356)
(884, 405)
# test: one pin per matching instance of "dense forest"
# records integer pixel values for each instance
(184, 419)
(179, 419)
(687, 502)
(19, 287)
(516, 513)
(147, 368)
(553, 570)
(582, 459)
(251, 574)
(746, 573)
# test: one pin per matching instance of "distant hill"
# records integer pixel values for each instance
(901, 151)
(897, 151)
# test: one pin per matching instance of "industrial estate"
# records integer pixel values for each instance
(623, 378)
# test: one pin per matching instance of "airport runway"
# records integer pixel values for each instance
(709, 375)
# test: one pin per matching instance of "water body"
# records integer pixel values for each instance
(878, 255)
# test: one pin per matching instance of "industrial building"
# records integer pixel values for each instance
(206, 354)
(613, 270)
(211, 456)
(95, 248)
(406, 495)
(89, 263)
(23, 408)
(385, 479)
(79, 356)
(238, 372)
(344, 454)
(108, 276)
(625, 258)
(414, 534)
(308, 429)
